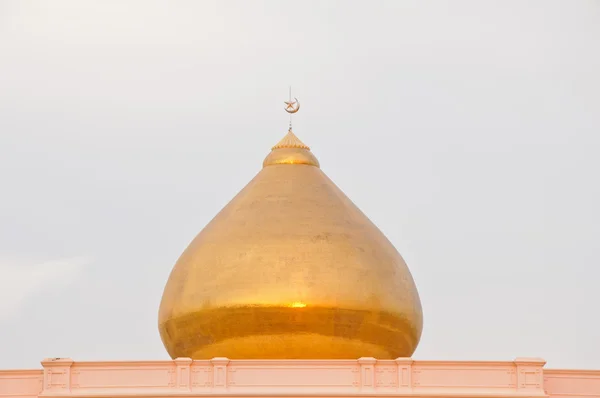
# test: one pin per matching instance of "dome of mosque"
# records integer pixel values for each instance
(290, 268)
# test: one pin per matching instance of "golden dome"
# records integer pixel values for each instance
(290, 269)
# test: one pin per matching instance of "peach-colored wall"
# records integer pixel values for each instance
(21, 383)
(319, 378)
(572, 383)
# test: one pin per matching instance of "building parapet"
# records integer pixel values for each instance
(571, 383)
(404, 377)
(21, 383)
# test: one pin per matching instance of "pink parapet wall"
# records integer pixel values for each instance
(572, 383)
(404, 377)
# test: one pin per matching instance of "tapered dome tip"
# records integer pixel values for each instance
(290, 150)
(291, 141)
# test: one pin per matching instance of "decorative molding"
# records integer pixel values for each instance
(183, 377)
(57, 374)
(21, 383)
(572, 383)
(404, 373)
(367, 373)
(219, 373)
(530, 373)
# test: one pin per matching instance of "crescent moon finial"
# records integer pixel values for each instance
(292, 107)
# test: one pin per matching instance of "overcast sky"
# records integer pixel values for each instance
(468, 131)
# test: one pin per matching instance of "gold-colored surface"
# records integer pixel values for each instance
(290, 268)
(290, 150)
(291, 141)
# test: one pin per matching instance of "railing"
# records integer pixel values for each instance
(221, 376)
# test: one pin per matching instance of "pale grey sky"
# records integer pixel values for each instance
(468, 131)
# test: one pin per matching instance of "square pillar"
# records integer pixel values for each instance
(183, 372)
(404, 373)
(367, 373)
(219, 373)
(57, 375)
(530, 374)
